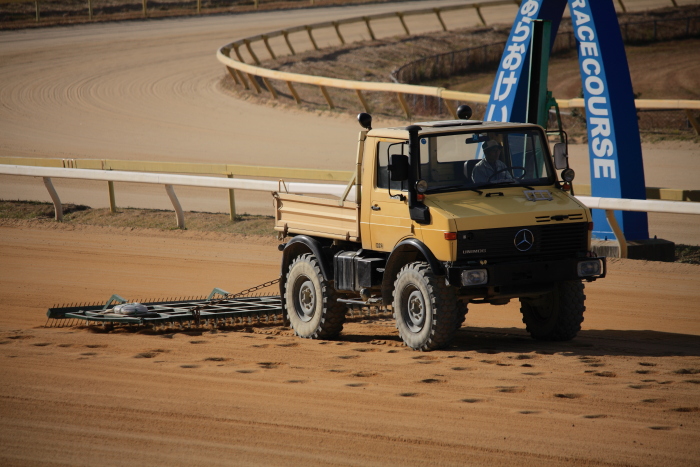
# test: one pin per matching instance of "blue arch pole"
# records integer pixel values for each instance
(508, 100)
(614, 145)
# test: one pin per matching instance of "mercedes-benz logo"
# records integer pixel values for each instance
(524, 240)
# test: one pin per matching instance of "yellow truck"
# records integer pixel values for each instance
(440, 215)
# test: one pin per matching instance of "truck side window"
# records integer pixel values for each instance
(384, 151)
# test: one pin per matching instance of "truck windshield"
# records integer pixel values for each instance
(459, 161)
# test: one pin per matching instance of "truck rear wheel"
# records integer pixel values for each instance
(426, 310)
(312, 307)
(556, 316)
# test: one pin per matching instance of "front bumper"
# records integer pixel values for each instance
(518, 278)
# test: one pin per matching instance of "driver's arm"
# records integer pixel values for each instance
(507, 170)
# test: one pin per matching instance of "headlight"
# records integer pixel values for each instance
(568, 175)
(421, 186)
(589, 268)
(475, 277)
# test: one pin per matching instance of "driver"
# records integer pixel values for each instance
(490, 168)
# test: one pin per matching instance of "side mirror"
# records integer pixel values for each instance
(561, 157)
(399, 167)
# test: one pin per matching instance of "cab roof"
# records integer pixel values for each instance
(447, 126)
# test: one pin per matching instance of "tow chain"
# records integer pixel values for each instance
(196, 311)
(253, 289)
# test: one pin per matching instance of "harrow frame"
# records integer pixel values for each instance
(229, 309)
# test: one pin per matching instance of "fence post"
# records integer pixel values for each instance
(442, 23)
(238, 52)
(179, 215)
(403, 23)
(337, 31)
(693, 121)
(145, 7)
(36, 5)
(621, 240)
(311, 37)
(233, 74)
(404, 105)
(90, 10)
(294, 92)
(481, 17)
(250, 51)
(450, 109)
(269, 49)
(362, 100)
(199, 6)
(112, 199)
(238, 77)
(369, 28)
(289, 44)
(57, 206)
(254, 82)
(231, 201)
(324, 91)
(242, 78)
(269, 87)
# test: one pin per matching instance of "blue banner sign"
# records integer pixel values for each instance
(614, 144)
(508, 101)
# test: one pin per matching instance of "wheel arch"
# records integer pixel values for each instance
(407, 251)
(298, 246)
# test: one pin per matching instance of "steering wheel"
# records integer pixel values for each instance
(509, 169)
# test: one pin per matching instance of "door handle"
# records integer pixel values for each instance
(376, 208)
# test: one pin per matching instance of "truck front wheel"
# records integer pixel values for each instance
(312, 306)
(556, 316)
(426, 310)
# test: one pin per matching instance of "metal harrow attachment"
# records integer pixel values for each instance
(219, 308)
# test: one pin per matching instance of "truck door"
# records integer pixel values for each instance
(388, 217)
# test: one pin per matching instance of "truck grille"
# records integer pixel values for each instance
(534, 240)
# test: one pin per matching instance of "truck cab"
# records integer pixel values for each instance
(446, 214)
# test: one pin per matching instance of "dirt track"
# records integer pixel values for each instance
(626, 392)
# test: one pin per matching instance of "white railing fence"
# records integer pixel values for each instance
(169, 180)
(610, 205)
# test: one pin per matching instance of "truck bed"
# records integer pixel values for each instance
(309, 215)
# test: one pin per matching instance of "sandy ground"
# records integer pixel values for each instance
(625, 392)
